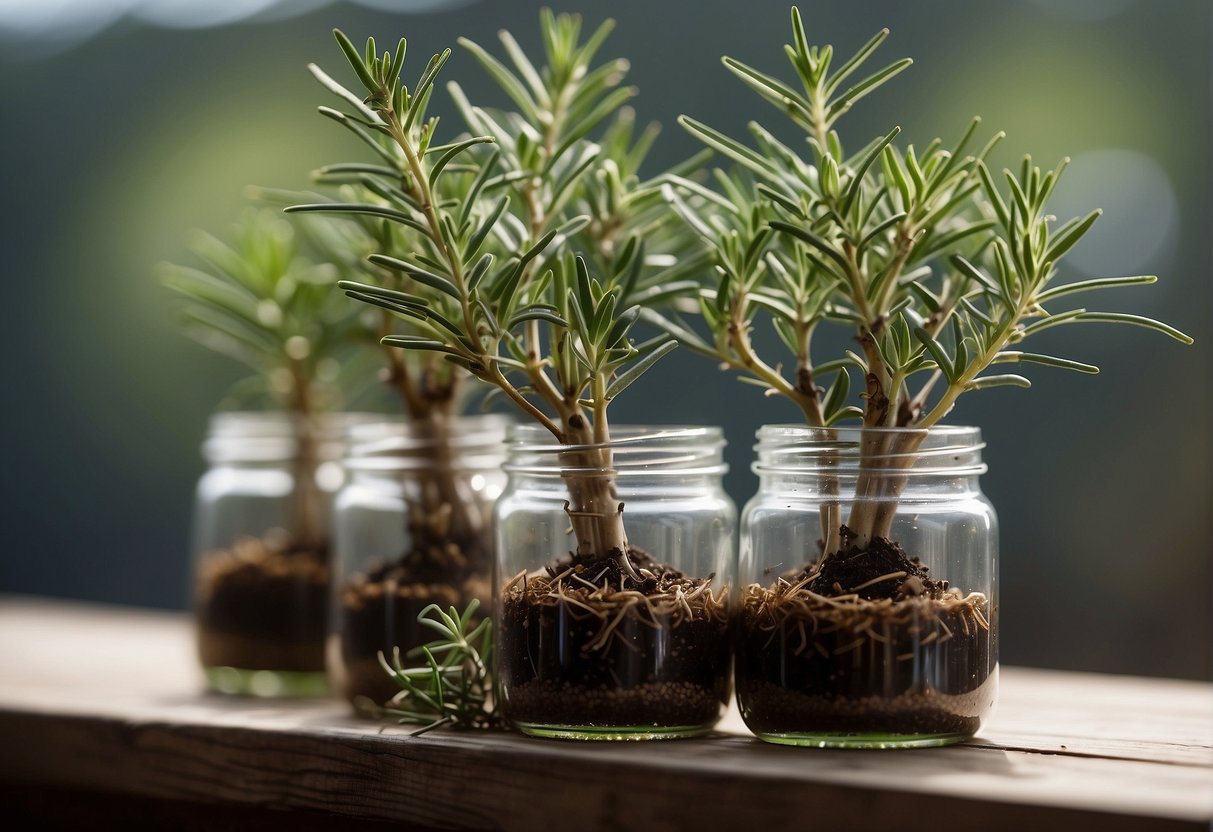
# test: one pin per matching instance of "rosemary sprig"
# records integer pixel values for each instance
(488, 229)
(453, 686)
(261, 300)
(936, 270)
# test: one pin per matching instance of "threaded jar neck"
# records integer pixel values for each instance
(463, 443)
(635, 451)
(270, 437)
(846, 452)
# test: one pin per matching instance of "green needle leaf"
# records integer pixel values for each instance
(1133, 320)
(843, 103)
(855, 60)
(850, 412)
(1013, 356)
(681, 333)
(363, 209)
(770, 88)
(381, 292)
(992, 194)
(344, 94)
(422, 90)
(1068, 240)
(893, 171)
(1097, 283)
(454, 151)
(729, 147)
(524, 66)
(356, 61)
(478, 272)
(929, 299)
(537, 314)
(862, 169)
(968, 269)
(638, 369)
(414, 342)
(937, 352)
(430, 279)
(478, 238)
(836, 396)
(814, 240)
(508, 82)
(999, 381)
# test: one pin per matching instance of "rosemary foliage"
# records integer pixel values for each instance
(261, 301)
(427, 388)
(938, 269)
(266, 300)
(453, 687)
(529, 247)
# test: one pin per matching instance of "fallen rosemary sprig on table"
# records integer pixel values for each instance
(454, 686)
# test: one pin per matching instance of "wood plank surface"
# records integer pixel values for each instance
(102, 701)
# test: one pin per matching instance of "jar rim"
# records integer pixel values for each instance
(537, 439)
(269, 436)
(792, 429)
(407, 432)
(637, 450)
(836, 451)
(398, 443)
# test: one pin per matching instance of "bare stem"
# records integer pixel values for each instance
(594, 509)
(307, 502)
(444, 511)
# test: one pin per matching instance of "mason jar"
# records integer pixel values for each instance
(869, 609)
(261, 551)
(613, 589)
(411, 528)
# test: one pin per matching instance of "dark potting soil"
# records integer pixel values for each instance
(263, 605)
(608, 657)
(903, 655)
(379, 612)
(870, 572)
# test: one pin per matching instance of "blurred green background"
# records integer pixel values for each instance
(122, 132)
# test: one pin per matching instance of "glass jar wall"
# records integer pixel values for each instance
(868, 614)
(411, 528)
(615, 567)
(261, 547)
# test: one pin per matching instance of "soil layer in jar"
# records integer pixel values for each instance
(865, 642)
(379, 610)
(263, 605)
(584, 645)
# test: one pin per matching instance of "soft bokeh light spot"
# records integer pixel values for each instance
(1054, 95)
(1140, 224)
(189, 14)
(412, 5)
(330, 476)
(41, 28)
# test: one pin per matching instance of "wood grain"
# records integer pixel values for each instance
(97, 701)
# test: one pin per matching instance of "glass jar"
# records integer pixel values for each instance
(869, 611)
(411, 528)
(261, 551)
(595, 644)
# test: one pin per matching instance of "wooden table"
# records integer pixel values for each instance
(100, 713)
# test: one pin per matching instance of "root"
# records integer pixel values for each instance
(801, 611)
(661, 598)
